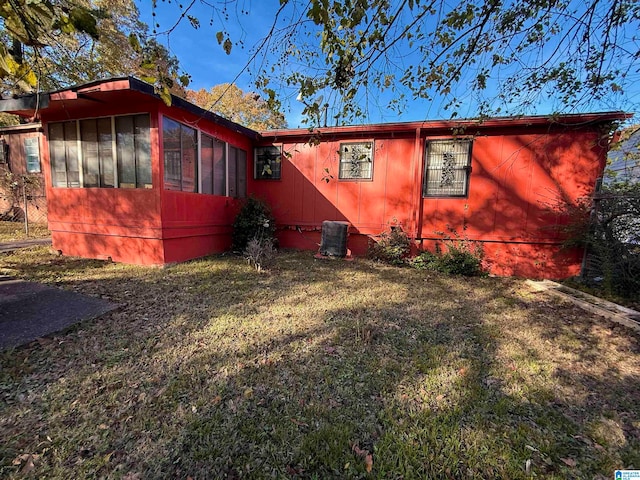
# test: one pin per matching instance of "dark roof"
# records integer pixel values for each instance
(33, 102)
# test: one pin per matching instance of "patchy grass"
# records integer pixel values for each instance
(14, 231)
(316, 370)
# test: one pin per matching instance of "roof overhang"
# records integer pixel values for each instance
(464, 126)
(99, 91)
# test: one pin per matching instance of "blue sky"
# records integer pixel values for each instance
(203, 58)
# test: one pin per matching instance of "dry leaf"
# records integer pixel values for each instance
(358, 451)
(368, 463)
(569, 461)
(29, 460)
(299, 423)
(331, 350)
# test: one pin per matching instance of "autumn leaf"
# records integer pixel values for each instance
(368, 463)
(365, 455)
(569, 462)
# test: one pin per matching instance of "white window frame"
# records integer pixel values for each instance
(34, 143)
(344, 149)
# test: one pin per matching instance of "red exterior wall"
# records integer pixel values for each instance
(194, 224)
(11, 199)
(117, 223)
(522, 169)
(142, 226)
(519, 177)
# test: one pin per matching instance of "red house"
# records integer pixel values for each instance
(132, 179)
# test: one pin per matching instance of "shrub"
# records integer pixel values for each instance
(393, 247)
(462, 257)
(260, 253)
(254, 221)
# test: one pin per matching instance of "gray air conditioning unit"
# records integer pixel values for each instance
(334, 238)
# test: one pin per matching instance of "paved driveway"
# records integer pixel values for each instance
(31, 310)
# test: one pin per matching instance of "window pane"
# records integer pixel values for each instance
(125, 146)
(32, 151)
(242, 174)
(172, 157)
(206, 162)
(143, 151)
(219, 168)
(89, 142)
(356, 160)
(233, 156)
(57, 154)
(268, 162)
(189, 141)
(447, 168)
(105, 152)
(71, 154)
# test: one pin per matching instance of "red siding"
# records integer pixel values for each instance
(521, 169)
(517, 181)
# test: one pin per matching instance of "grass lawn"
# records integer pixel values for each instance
(14, 231)
(316, 369)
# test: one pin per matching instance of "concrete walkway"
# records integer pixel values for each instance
(31, 310)
(11, 246)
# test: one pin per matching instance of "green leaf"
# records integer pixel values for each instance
(185, 80)
(135, 43)
(165, 95)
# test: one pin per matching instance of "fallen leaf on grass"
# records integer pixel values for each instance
(368, 458)
(299, 423)
(331, 350)
(368, 463)
(569, 462)
(29, 460)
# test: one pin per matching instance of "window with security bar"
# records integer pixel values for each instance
(356, 161)
(448, 165)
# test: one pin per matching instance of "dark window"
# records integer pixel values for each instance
(268, 163)
(237, 172)
(98, 139)
(448, 165)
(180, 145)
(97, 152)
(63, 140)
(133, 148)
(356, 161)
(212, 153)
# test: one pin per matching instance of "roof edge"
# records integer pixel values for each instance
(33, 102)
(572, 119)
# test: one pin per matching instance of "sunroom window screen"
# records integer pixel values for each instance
(447, 168)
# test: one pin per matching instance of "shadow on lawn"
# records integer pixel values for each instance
(211, 370)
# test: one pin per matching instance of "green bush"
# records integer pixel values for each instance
(254, 221)
(462, 257)
(393, 247)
